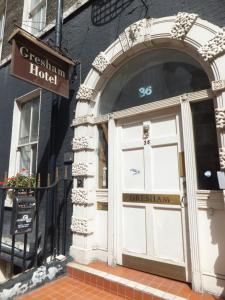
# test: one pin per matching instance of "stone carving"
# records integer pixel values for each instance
(222, 158)
(101, 62)
(218, 85)
(135, 29)
(148, 29)
(183, 24)
(80, 226)
(220, 117)
(82, 169)
(214, 47)
(83, 142)
(133, 35)
(85, 93)
(82, 196)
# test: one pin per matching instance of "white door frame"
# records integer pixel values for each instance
(114, 216)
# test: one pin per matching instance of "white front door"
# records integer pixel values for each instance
(151, 217)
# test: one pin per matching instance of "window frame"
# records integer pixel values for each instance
(14, 160)
(28, 14)
(2, 29)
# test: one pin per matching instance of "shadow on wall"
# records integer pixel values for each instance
(104, 11)
(217, 257)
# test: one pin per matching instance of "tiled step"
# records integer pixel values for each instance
(117, 285)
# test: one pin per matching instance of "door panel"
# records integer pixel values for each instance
(164, 169)
(167, 223)
(133, 170)
(134, 221)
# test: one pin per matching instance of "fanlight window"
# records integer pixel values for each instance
(152, 76)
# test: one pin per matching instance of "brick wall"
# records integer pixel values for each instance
(14, 14)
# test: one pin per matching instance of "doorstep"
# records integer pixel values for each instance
(132, 284)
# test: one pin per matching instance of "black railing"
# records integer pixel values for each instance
(32, 226)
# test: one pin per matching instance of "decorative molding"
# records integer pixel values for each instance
(83, 143)
(85, 93)
(213, 47)
(218, 85)
(183, 23)
(101, 62)
(134, 34)
(184, 98)
(88, 119)
(83, 196)
(220, 117)
(82, 169)
(222, 158)
(81, 226)
(208, 199)
(148, 29)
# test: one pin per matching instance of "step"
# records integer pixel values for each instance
(117, 285)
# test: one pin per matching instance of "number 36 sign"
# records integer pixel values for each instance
(145, 91)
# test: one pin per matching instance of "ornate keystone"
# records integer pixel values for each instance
(83, 143)
(85, 93)
(101, 62)
(183, 23)
(220, 118)
(80, 226)
(214, 47)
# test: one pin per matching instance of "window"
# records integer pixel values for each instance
(206, 147)
(103, 156)
(152, 76)
(28, 135)
(2, 21)
(25, 133)
(34, 16)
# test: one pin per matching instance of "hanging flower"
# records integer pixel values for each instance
(21, 180)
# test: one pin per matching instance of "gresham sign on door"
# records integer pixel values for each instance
(39, 64)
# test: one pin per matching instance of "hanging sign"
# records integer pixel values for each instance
(39, 64)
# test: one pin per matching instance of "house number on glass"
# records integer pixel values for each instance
(145, 91)
(147, 142)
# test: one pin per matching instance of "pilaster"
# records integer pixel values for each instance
(191, 187)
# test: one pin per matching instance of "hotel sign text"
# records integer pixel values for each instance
(152, 198)
(39, 64)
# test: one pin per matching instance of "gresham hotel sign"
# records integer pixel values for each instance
(39, 64)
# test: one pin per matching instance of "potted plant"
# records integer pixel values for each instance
(22, 182)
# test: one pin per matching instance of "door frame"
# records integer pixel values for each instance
(186, 131)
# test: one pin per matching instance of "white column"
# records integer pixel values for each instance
(191, 185)
(84, 213)
(111, 193)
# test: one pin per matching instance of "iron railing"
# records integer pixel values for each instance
(47, 238)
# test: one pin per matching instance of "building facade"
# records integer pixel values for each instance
(145, 121)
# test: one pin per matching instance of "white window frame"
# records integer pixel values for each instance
(29, 12)
(14, 160)
(2, 31)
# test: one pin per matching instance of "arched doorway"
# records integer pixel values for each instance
(146, 154)
(170, 112)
